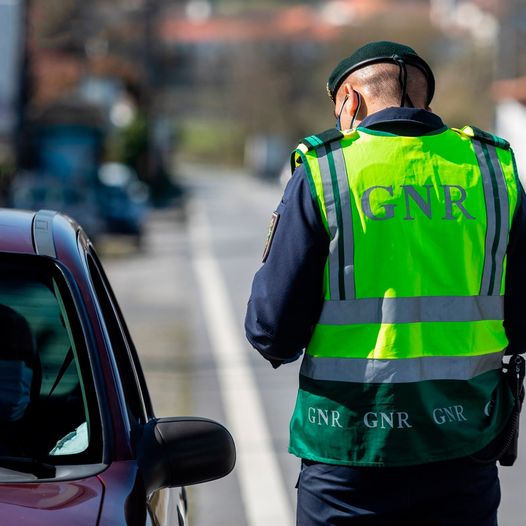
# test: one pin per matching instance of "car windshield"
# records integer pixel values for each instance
(47, 407)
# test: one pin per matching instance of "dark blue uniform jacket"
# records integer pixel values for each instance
(287, 294)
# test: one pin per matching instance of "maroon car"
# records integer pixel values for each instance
(79, 443)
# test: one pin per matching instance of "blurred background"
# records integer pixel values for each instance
(164, 127)
(154, 83)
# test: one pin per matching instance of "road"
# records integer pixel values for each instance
(184, 297)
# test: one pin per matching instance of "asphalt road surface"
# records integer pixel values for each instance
(184, 298)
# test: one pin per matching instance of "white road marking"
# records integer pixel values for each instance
(262, 487)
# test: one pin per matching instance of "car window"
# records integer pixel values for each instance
(48, 408)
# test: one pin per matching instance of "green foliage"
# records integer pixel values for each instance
(133, 141)
(211, 141)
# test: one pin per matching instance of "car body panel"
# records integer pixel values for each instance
(60, 503)
(124, 502)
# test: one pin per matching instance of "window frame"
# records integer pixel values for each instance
(133, 383)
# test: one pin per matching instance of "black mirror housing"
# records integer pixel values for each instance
(183, 451)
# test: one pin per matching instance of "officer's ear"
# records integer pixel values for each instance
(354, 98)
(350, 106)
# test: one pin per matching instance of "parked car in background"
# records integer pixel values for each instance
(122, 199)
(79, 442)
(34, 191)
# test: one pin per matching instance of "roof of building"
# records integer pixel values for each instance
(297, 22)
(510, 89)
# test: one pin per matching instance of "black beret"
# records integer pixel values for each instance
(373, 53)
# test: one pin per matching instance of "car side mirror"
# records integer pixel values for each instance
(183, 451)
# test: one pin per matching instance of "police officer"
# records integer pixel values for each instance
(395, 261)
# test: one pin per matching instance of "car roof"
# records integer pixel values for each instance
(16, 231)
(46, 232)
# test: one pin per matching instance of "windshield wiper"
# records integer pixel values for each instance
(41, 470)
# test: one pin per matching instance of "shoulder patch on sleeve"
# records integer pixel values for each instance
(270, 235)
(481, 135)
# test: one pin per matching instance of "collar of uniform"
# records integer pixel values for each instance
(403, 121)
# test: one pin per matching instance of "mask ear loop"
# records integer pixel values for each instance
(338, 119)
(357, 110)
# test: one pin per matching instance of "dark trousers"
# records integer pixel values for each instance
(452, 493)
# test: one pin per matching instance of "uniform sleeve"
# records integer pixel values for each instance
(287, 291)
(515, 291)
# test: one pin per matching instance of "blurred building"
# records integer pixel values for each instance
(225, 74)
(246, 80)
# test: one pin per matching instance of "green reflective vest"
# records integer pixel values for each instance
(404, 364)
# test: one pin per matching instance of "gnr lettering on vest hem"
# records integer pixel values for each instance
(454, 413)
(324, 417)
(391, 420)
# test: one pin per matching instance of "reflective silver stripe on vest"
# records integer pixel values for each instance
(364, 370)
(496, 197)
(341, 251)
(412, 310)
(504, 209)
(348, 239)
(490, 216)
(330, 208)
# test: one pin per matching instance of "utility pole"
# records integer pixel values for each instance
(148, 58)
